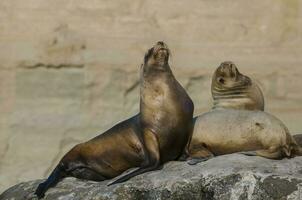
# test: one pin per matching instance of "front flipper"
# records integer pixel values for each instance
(199, 153)
(152, 161)
(186, 152)
(194, 161)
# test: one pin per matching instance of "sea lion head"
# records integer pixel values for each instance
(227, 76)
(157, 56)
(231, 89)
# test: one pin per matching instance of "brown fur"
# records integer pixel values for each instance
(225, 131)
(237, 122)
(159, 133)
(231, 89)
(298, 138)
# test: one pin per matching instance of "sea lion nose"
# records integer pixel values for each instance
(232, 66)
(161, 43)
(226, 64)
(229, 64)
(162, 53)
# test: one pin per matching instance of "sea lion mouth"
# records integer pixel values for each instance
(161, 55)
(161, 51)
(157, 55)
(229, 69)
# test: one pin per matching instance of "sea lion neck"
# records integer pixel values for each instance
(151, 71)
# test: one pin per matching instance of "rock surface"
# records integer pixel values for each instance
(229, 177)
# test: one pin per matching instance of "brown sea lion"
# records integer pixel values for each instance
(225, 131)
(237, 123)
(159, 133)
(231, 89)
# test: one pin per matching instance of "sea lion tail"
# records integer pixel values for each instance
(56, 175)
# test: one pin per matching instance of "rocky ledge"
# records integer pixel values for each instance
(231, 176)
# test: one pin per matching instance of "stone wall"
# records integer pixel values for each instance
(69, 69)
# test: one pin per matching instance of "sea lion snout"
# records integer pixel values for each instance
(158, 54)
(161, 50)
(161, 54)
(161, 44)
(232, 89)
(229, 69)
(227, 63)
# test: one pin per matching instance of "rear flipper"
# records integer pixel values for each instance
(136, 172)
(266, 153)
(152, 161)
(56, 175)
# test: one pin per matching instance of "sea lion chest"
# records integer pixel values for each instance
(167, 111)
(164, 102)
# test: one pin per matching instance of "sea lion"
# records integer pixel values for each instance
(231, 89)
(157, 134)
(225, 131)
(237, 122)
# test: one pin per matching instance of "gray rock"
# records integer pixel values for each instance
(233, 176)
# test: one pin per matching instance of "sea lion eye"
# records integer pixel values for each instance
(220, 80)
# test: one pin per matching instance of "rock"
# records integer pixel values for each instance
(233, 176)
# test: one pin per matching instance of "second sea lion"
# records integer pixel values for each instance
(225, 131)
(237, 122)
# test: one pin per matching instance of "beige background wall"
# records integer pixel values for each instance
(69, 69)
